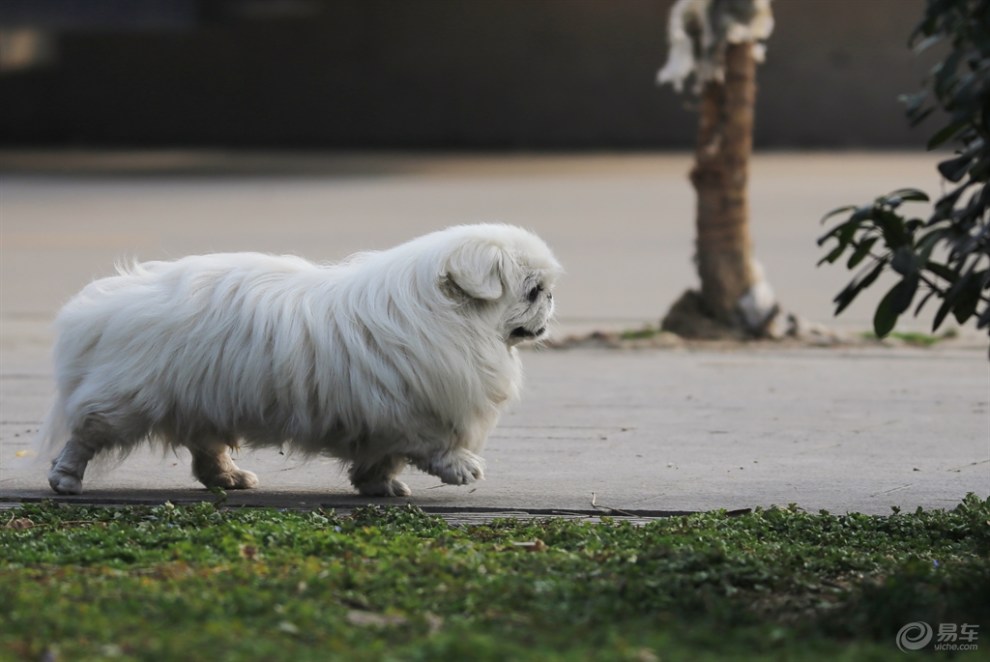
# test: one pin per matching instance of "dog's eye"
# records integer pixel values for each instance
(535, 292)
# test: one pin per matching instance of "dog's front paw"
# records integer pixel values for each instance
(237, 479)
(460, 467)
(389, 487)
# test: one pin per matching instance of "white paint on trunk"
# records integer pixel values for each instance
(758, 304)
(756, 29)
(681, 62)
(698, 32)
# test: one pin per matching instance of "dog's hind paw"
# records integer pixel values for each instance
(64, 483)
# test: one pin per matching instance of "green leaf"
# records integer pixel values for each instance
(961, 299)
(892, 226)
(925, 43)
(924, 246)
(967, 296)
(940, 315)
(832, 255)
(884, 318)
(905, 291)
(942, 271)
(954, 169)
(843, 233)
(833, 232)
(904, 261)
(866, 212)
(852, 290)
(895, 302)
(945, 72)
(910, 195)
(965, 307)
(945, 205)
(860, 253)
(923, 301)
(836, 212)
(945, 133)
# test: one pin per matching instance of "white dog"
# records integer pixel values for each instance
(404, 355)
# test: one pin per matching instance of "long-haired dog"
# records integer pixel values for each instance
(404, 355)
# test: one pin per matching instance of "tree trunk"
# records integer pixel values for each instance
(720, 179)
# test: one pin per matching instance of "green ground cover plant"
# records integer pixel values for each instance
(207, 582)
(914, 338)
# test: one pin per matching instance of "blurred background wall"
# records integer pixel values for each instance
(447, 74)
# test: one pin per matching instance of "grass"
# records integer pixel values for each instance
(915, 338)
(205, 582)
(644, 333)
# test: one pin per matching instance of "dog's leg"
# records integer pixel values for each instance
(454, 467)
(68, 468)
(379, 478)
(213, 467)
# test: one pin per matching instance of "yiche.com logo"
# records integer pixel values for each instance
(914, 636)
(952, 637)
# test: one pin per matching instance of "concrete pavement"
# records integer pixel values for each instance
(643, 431)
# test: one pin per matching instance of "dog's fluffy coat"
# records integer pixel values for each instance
(389, 357)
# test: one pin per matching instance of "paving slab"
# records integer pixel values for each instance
(646, 432)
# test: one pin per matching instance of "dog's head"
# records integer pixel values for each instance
(507, 270)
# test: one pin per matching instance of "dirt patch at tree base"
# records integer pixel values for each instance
(687, 325)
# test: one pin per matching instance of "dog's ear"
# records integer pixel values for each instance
(479, 269)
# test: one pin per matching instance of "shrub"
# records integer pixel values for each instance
(947, 255)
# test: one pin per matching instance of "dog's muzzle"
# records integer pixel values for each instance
(523, 333)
